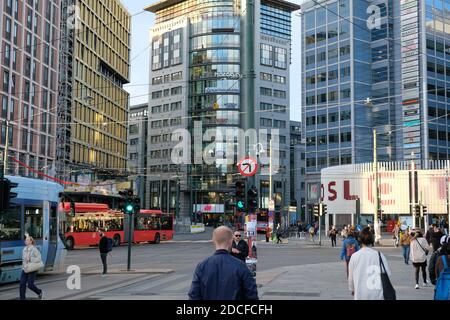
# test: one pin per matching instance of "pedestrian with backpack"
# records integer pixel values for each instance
(419, 250)
(105, 246)
(442, 271)
(349, 247)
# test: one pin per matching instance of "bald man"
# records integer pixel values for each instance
(222, 276)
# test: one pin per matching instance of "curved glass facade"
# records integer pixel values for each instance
(214, 88)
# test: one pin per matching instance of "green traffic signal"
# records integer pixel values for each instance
(240, 204)
(129, 208)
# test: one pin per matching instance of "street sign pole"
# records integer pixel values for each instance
(320, 224)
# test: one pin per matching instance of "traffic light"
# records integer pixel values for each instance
(424, 210)
(5, 193)
(129, 204)
(379, 214)
(240, 195)
(252, 199)
(416, 210)
(323, 210)
(316, 210)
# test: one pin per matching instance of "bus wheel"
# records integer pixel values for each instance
(70, 243)
(116, 240)
(157, 238)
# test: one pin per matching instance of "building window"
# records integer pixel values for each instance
(346, 115)
(134, 156)
(134, 128)
(156, 94)
(177, 76)
(176, 90)
(279, 123)
(134, 142)
(279, 79)
(266, 76)
(266, 54)
(280, 58)
(157, 80)
(279, 94)
(279, 108)
(266, 91)
(156, 109)
(265, 106)
(346, 137)
(266, 122)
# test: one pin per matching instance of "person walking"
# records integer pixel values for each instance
(279, 234)
(359, 274)
(396, 235)
(299, 229)
(240, 247)
(104, 246)
(31, 263)
(344, 232)
(268, 232)
(333, 234)
(405, 242)
(222, 276)
(311, 232)
(443, 250)
(349, 247)
(436, 238)
(418, 254)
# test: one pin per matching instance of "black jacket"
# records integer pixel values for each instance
(436, 240)
(103, 245)
(223, 277)
(242, 246)
(432, 266)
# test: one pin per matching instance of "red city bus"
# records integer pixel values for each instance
(81, 227)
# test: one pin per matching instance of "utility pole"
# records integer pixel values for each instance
(446, 191)
(320, 222)
(377, 191)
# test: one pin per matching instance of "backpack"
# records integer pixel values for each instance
(442, 291)
(350, 249)
(109, 244)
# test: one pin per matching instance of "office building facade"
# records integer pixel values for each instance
(29, 33)
(196, 77)
(373, 65)
(93, 103)
(137, 148)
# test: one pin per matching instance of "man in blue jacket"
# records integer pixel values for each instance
(222, 276)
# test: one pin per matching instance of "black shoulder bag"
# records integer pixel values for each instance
(388, 289)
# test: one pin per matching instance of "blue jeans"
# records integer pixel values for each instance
(28, 278)
(406, 253)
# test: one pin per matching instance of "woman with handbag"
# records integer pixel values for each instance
(419, 249)
(368, 272)
(31, 263)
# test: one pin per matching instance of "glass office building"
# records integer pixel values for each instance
(197, 76)
(374, 65)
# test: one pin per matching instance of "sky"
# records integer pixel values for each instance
(140, 50)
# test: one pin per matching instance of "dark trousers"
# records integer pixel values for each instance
(346, 265)
(406, 250)
(105, 267)
(28, 278)
(279, 238)
(333, 241)
(417, 267)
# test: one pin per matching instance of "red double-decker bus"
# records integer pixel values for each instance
(82, 225)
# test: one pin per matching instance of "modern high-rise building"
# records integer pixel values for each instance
(93, 108)
(29, 33)
(137, 148)
(197, 73)
(374, 65)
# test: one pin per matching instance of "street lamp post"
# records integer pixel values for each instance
(376, 223)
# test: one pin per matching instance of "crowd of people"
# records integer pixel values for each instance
(360, 257)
